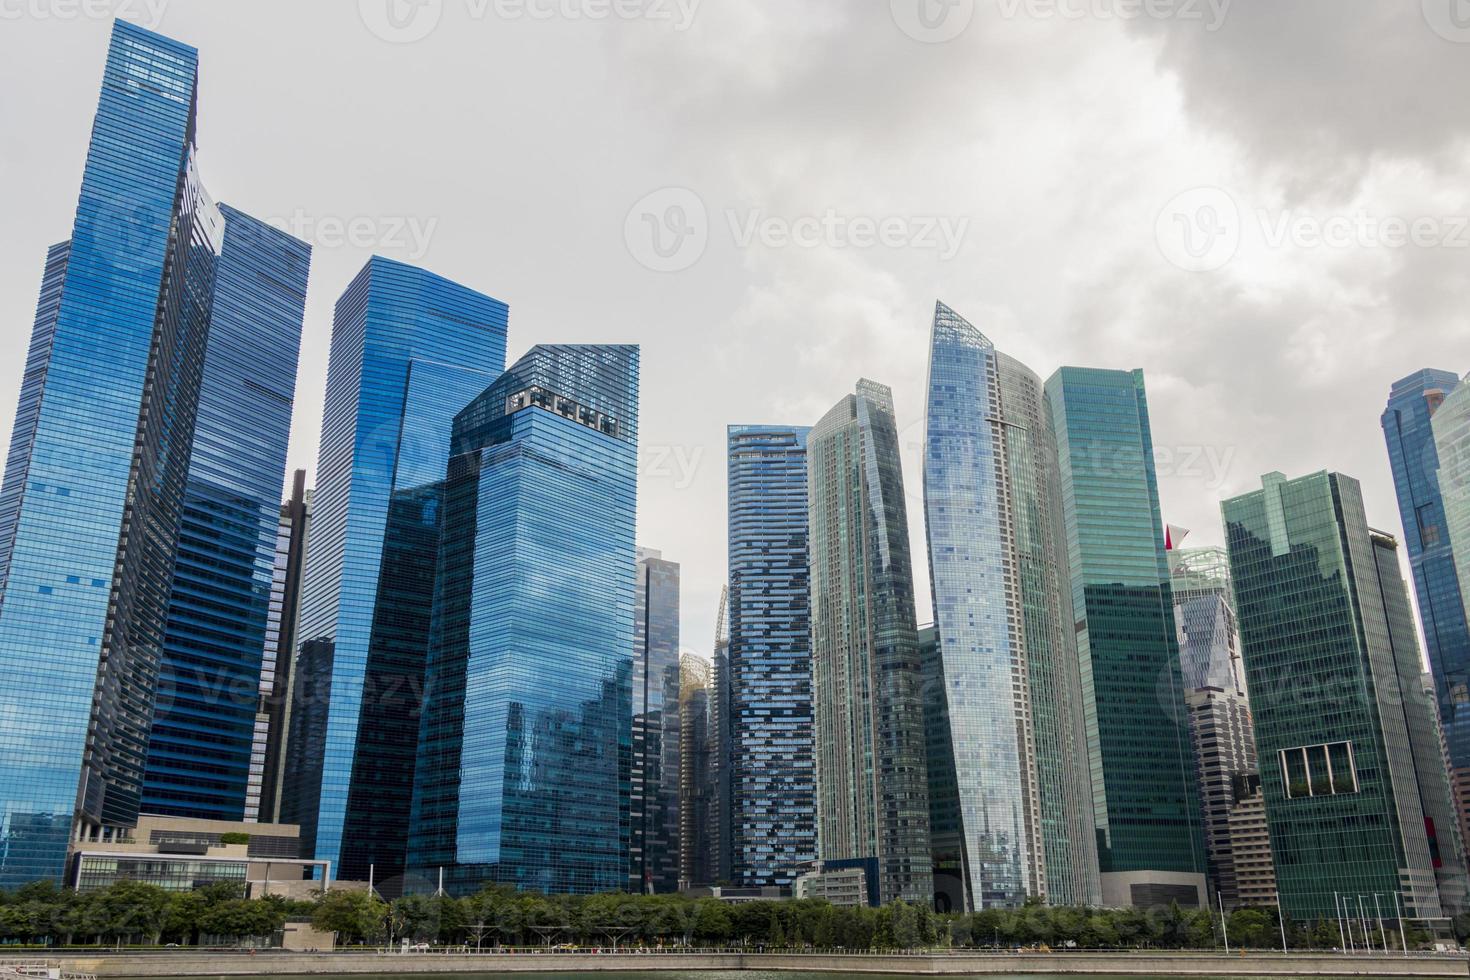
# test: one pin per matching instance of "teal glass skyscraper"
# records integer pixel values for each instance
(199, 752)
(95, 493)
(767, 804)
(523, 776)
(1010, 797)
(1409, 430)
(1357, 796)
(409, 351)
(872, 784)
(1145, 804)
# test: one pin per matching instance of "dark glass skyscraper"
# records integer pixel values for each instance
(653, 847)
(1145, 802)
(872, 784)
(278, 666)
(1408, 430)
(771, 788)
(1010, 799)
(1357, 797)
(100, 457)
(522, 775)
(696, 775)
(204, 717)
(409, 351)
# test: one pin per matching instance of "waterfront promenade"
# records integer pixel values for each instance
(1117, 963)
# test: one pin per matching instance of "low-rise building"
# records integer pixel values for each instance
(181, 854)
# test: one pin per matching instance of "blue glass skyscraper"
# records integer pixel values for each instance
(95, 482)
(523, 774)
(1010, 803)
(769, 763)
(409, 351)
(1407, 429)
(204, 720)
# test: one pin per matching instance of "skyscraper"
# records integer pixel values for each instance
(278, 666)
(199, 752)
(1145, 804)
(696, 777)
(1219, 715)
(526, 736)
(1357, 799)
(872, 791)
(95, 484)
(653, 847)
(409, 351)
(1013, 813)
(769, 781)
(1409, 430)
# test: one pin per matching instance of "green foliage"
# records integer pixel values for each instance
(234, 837)
(355, 916)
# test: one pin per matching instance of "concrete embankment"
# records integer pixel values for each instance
(185, 964)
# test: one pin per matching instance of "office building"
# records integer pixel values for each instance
(1356, 794)
(653, 848)
(199, 751)
(1145, 801)
(872, 788)
(770, 787)
(409, 351)
(696, 777)
(101, 480)
(277, 667)
(1010, 798)
(1218, 710)
(525, 745)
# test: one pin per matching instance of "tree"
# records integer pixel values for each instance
(241, 918)
(355, 916)
(712, 925)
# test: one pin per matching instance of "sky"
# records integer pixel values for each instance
(1262, 204)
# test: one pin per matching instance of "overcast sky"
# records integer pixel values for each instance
(1263, 204)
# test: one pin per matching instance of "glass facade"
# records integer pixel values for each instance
(653, 848)
(277, 666)
(1145, 804)
(1409, 431)
(872, 784)
(696, 775)
(1215, 700)
(204, 716)
(1010, 793)
(409, 351)
(770, 784)
(526, 739)
(94, 483)
(174, 874)
(1357, 797)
